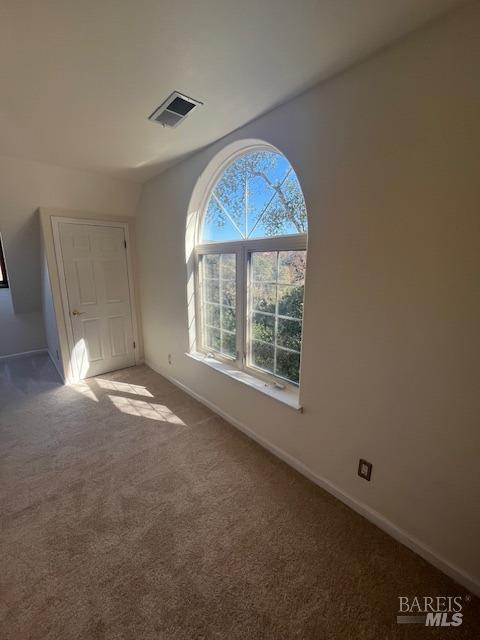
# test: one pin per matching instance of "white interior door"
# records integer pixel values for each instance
(96, 277)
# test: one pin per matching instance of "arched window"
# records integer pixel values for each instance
(250, 266)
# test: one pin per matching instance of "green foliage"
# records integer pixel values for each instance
(263, 327)
(228, 319)
(263, 355)
(290, 301)
(288, 365)
(229, 343)
(277, 290)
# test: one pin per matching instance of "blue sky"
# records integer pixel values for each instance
(258, 196)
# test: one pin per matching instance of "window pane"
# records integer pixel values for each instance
(263, 355)
(216, 225)
(290, 301)
(263, 327)
(212, 315)
(211, 266)
(264, 266)
(289, 333)
(291, 267)
(212, 290)
(228, 266)
(286, 213)
(276, 311)
(218, 273)
(229, 346)
(288, 365)
(228, 319)
(229, 292)
(258, 195)
(213, 338)
(264, 297)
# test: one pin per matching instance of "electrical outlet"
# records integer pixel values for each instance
(170, 361)
(365, 469)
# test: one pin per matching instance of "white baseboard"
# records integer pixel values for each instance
(402, 536)
(23, 354)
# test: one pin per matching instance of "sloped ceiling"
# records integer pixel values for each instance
(78, 79)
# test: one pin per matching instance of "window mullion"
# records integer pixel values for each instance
(275, 330)
(227, 214)
(242, 308)
(220, 299)
(277, 243)
(268, 203)
(238, 304)
(200, 302)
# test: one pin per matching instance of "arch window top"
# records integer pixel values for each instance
(256, 196)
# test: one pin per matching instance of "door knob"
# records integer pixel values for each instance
(75, 312)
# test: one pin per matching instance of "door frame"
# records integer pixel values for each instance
(56, 221)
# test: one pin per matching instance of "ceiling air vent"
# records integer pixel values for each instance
(175, 109)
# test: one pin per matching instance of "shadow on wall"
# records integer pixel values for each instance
(22, 254)
(19, 331)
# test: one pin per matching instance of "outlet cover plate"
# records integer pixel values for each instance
(365, 469)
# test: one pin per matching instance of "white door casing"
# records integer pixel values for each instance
(94, 260)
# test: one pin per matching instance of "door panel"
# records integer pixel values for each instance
(85, 282)
(91, 331)
(113, 285)
(117, 336)
(96, 274)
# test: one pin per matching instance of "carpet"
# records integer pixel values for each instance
(131, 511)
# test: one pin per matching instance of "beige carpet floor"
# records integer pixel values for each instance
(128, 510)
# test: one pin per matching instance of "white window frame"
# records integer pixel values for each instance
(243, 250)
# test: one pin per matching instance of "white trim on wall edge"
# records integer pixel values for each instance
(402, 536)
(23, 354)
(57, 367)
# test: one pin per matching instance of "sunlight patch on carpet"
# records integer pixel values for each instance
(144, 409)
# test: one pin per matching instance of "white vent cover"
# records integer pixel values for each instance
(175, 109)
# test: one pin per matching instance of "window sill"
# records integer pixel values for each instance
(285, 396)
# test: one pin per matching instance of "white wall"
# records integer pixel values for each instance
(49, 317)
(25, 186)
(19, 332)
(387, 154)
